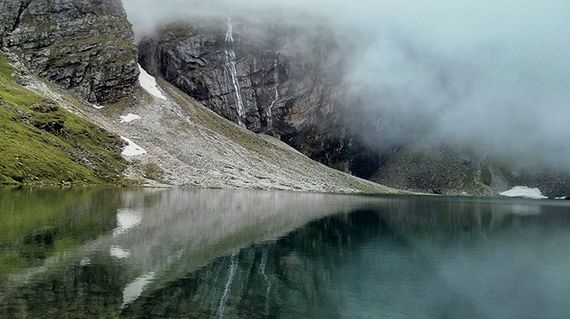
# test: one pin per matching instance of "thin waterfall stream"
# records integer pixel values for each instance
(234, 263)
(276, 89)
(231, 64)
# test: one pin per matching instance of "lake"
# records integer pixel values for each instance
(150, 253)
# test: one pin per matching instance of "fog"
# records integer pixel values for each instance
(494, 75)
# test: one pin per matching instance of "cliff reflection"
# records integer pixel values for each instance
(222, 254)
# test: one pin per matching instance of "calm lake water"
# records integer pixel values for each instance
(108, 253)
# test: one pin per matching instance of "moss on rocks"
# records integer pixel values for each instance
(43, 143)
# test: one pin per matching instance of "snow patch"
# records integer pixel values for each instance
(98, 107)
(129, 118)
(524, 192)
(132, 149)
(148, 82)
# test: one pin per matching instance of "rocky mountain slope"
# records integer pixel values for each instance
(288, 81)
(178, 142)
(41, 142)
(181, 142)
(84, 46)
(86, 49)
(280, 85)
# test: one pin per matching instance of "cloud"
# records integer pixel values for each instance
(479, 73)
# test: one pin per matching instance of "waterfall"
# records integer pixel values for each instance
(231, 65)
(262, 267)
(234, 263)
(276, 89)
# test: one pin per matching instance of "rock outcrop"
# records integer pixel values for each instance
(85, 46)
(287, 79)
(282, 77)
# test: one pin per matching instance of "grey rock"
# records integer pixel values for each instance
(86, 46)
(189, 145)
(193, 57)
(9, 15)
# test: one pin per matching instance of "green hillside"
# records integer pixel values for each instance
(42, 143)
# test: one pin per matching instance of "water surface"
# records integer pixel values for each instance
(104, 253)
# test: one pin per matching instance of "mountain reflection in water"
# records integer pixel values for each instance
(225, 254)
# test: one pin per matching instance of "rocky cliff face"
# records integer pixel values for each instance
(275, 79)
(83, 45)
(279, 76)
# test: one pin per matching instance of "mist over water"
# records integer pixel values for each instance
(493, 75)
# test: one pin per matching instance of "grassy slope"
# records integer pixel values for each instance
(42, 143)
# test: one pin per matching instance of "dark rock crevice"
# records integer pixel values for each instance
(23, 6)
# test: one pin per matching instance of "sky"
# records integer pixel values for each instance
(494, 75)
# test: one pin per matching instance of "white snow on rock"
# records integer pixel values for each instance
(129, 118)
(132, 149)
(148, 82)
(524, 192)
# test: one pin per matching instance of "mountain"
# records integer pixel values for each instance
(443, 169)
(72, 110)
(83, 46)
(214, 103)
(289, 82)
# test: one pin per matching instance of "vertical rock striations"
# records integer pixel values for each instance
(287, 79)
(83, 45)
(194, 57)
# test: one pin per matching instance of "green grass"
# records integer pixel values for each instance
(43, 143)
